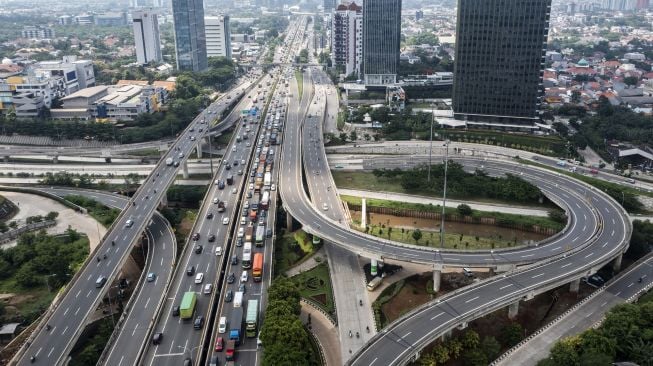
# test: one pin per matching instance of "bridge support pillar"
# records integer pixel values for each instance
(574, 286)
(55, 159)
(184, 170)
(199, 149)
(164, 201)
(363, 213)
(616, 265)
(513, 309)
(462, 325)
(437, 277)
(446, 335)
(288, 221)
(6, 158)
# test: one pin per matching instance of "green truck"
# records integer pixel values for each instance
(251, 321)
(187, 307)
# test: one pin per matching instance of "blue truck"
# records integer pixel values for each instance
(236, 325)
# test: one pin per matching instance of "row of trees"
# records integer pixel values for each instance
(471, 349)
(99, 211)
(283, 335)
(462, 184)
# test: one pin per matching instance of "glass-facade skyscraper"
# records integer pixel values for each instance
(190, 36)
(381, 41)
(500, 49)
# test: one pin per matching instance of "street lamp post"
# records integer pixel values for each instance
(444, 192)
(431, 142)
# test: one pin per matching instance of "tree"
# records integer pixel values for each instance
(343, 136)
(475, 357)
(575, 96)
(27, 276)
(564, 353)
(51, 215)
(490, 347)
(631, 80)
(417, 235)
(455, 348)
(511, 334)
(441, 354)
(353, 136)
(470, 340)
(558, 216)
(464, 210)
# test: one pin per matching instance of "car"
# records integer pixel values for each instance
(216, 200)
(239, 242)
(198, 249)
(209, 215)
(244, 276)
(218, 250)
(219, 344)
(231, 278)
(190, 270)
(199, 278)
(228, 166)
(211, 238)
(175, 310)
(207, 289)
(268, 233)
(225, 220)
(240, 172)
(246, 204)
(242, 288)
(199, 322)
(234, 149)
(243, 220)
(249, 194)
(100, 281)
(129, 223)
(241, 232)
(248, 144)
(242, 161)
(234, 191)
(325, 207)
(251, 186)
(245, 212)
(273, 187)
(192, 138)
(235, 162)
(151, 277)
(228, 297)
(157, 337)
(234, 260)
(188, 361)
(181, 155)
(175, 164)
(196, 236)
(220, 184)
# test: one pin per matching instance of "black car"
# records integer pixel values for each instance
(239, 242)
(211, 238)
(229, 296)
(242, 288)
(198, 249)
(235, 162)
(157, 337)
(199, 322)
(175, 310)
(209, 215)
(188, 362)
(190, 270)
(268, 233)
(196, 236)
(234, 260)
(228, 167)
(231, 278)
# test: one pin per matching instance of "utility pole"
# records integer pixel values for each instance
(444, 192)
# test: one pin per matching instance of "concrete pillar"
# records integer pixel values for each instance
(616, 265)
(6, 158)
(437, 274)
(446, 335)
(55, 159)
(184, 170)
(363, 213)
(288, 221)
(513, 309)
(199, 149)
(574, 286)
(164, 201)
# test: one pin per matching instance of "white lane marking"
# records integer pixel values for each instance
(64, 330)
(89, 293)
(556, 248)
(78, 292)
(472, 299)
(630, 285)
(49, 353)
(589, 255)
(565, 265)
(505, 287)
(527, 255)
(602, 305)
(66, 312)
(147, 302)
(77, 311)
(538, 275)
(406, 335)
(433, 318)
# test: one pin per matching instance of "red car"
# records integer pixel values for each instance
(219, 344)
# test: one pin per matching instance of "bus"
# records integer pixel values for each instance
(251, 321)
(260, 235)
(247, 255)
(257, 271)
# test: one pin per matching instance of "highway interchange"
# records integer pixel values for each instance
(597, 233)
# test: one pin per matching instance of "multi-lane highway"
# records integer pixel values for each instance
(89, 285)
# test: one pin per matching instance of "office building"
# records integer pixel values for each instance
(190, 36)
(347, 38)
(77, 74)
(218, 36)
(381, 41)
(37, 32)
(111, 19)
(419, 15)
(500, 51)
(65, 20)
(146, 36)
(329, 5)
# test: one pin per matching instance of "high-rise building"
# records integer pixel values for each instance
(381, 40)
(37, 32)
(347, 37)
(329, 5)
(190, 36)
(499, 60)
(146, 36)
(218, 36)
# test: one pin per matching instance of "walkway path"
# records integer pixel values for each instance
(482, 206)
(33, 205)
(308, 264)
(325, 332)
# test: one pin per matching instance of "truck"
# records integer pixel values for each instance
(265, 201)
(260, 235)
(251, 321)
(374, 283)
(247, 255)
(249, 232)
(252, 215)
(187, 307)
(238, 299)
(169, 161)
(221, 206)
(257, 270)
(235, 324)
(230, 351)
(267, 180)
(230, 180)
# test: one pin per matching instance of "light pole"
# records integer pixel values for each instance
(47, 280)
(185, 349)
(444, 192)
(431, 141)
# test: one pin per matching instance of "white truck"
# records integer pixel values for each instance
(267, 180)
(238, 299)
(169, 161)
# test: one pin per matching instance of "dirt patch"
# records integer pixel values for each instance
(320, 298)
(410, 296)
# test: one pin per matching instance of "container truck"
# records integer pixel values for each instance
(235, 325)
(257, 270)
(249, 232)
(265, 201)
(169, 161)
(187, 307)
(251, 321)
(267, 180)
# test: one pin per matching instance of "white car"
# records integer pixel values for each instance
(207, 289)
(218, 251)
(243, 220)
(244, 277)
(234, 191)
(225, 221)
(129, 223)
(234, 149)
(246, 205)
(273, 187)
(251, 186)
(216, 200)
(199, 278)
(241, 232)
(325, 207)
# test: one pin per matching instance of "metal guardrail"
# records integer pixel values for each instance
(316, 341)
(13, 234)
(317, 307)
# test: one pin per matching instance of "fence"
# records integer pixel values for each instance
(13, 234)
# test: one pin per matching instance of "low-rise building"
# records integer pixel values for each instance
(80, 105)
(29, 105)
(37, 32)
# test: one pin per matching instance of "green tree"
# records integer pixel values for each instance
(51, 215)
(575, 96)
(631, 80)
(475, 357)
(564, 352)
(441, 354)
(353, 136)
(470, 340)
(464, 210)
(27, 276)
(490, 347)
(511, 334)
(455, 348)
(417, 235)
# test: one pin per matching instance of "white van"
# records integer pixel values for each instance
(468, 272)
(244, 277)
(222, 325)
